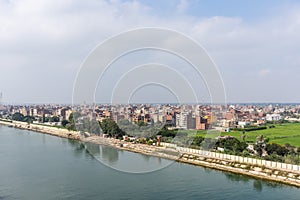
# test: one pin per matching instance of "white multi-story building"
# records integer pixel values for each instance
(181, 120)
(273, 117)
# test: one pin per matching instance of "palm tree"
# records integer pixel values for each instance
(244, 136)
(260, 144)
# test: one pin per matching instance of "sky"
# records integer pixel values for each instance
(255, 44)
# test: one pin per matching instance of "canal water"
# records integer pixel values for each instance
(37, 166)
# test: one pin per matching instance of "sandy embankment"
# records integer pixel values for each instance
(59, 132)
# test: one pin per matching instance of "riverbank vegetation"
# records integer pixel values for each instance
(270, 142)
(275, 142)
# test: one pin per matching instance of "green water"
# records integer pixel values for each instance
(36, 166)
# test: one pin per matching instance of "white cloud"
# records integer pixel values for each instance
(57, 35)
(182, 6)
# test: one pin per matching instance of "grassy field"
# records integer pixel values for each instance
(281, 134)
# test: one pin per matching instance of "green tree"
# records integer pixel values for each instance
(28, 119)
(244, 136)
(232, 144)
(165, 132)
(111, 128)
(87, 125)
(141, 123)
(260, 144)
(259, 150)
(208, 143)
(197, 140)
(64, 123)
(17, 116)
(71, 127)
(277, 149)
(73, 117)
(54, 119)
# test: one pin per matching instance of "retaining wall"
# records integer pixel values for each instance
(240, 159)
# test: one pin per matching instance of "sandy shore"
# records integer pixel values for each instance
(162, 152)
(59, 132)
(281, 176)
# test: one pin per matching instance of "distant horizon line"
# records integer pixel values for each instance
(158, 103)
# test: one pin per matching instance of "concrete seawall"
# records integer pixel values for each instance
(238, 159)
(262, 172)
(266, 170)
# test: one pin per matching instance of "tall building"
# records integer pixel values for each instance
(181, 120)
(201, 123)
(190, 121)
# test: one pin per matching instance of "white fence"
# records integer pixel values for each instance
(240, 159)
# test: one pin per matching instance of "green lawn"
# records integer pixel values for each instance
(281, 134)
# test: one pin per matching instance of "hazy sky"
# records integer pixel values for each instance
(255, 44)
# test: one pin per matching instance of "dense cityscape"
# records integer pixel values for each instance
(186, 117)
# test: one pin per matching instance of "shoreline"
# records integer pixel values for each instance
(260, 172)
